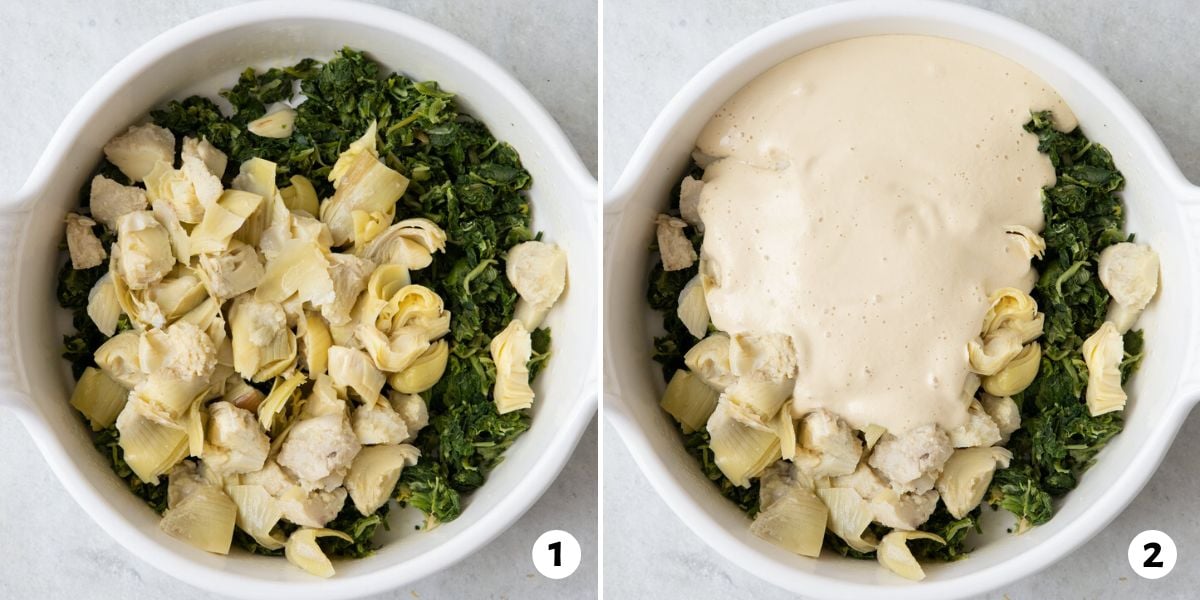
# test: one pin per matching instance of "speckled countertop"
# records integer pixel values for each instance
(52, 51)
(1148, 49)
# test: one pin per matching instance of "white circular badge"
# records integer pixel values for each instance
(556, 554)
(1152, 554)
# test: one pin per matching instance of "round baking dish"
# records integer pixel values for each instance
(202, 56)
(1163, 209)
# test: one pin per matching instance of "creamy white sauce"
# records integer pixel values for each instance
(859, 204)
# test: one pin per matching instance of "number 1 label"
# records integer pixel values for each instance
(556, 554)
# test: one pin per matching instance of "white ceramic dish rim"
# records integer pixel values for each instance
(553, 147)
(741, 62)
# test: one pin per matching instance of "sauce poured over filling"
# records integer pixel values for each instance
(860, 203)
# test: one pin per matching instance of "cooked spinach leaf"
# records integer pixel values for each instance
(954, 531)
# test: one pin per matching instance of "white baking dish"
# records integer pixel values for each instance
(1163, 210)
(203, 56)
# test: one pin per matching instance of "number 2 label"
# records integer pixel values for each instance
(1152, 554)
(1154, 547)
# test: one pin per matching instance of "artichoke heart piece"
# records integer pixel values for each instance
(109, 200)
(511, 350)
(538, 271)
(849, 516)
(166, 301)
(1129, 273)
(785, 428)
(207, 317)
(118, 358)
(282, 391)
(374, 474)
(136, 151)
(257, 513)
(150, 447)
(205, 519)
(1032, 243)
(1102, 353)
(175, 188)
(693, 309)
(301, 195)
(396, 353)
(1014, 310)
(84, 247)
(424, 372)
(194, 426)
(349, 275)
(755, 402)
(674, 247)
(300, 271)
(979, 429)
(410, 243)
(967, 475)
(894, 554)
(709, 360)
(351, 368)
(872, 433)
(689, 400)
(317, 340)
(263, 344)
(415, 307)
(1012, 320)
(740, 451)
(204, 166)
(278, 124)
(256, 176)
(99, 397)
(143, 254)
(383, 286)
(104, 307)
(368, 226)
(242, 395)
(231, 273)
(795, 523)
(1017, 374)
(302, 550)
(222, 220)
(784, 478)
(767, 357)
(989, 355)
(181, 242)
(361, 182)
(828, 439)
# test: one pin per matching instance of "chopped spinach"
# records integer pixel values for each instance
(954, 531)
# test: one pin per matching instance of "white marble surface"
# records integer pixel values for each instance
(1148, 49)
(52, 51)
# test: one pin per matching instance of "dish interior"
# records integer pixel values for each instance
(1151, 198)
(207, 64)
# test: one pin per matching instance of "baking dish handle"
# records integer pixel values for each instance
(13, 224)
(1188, 390)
